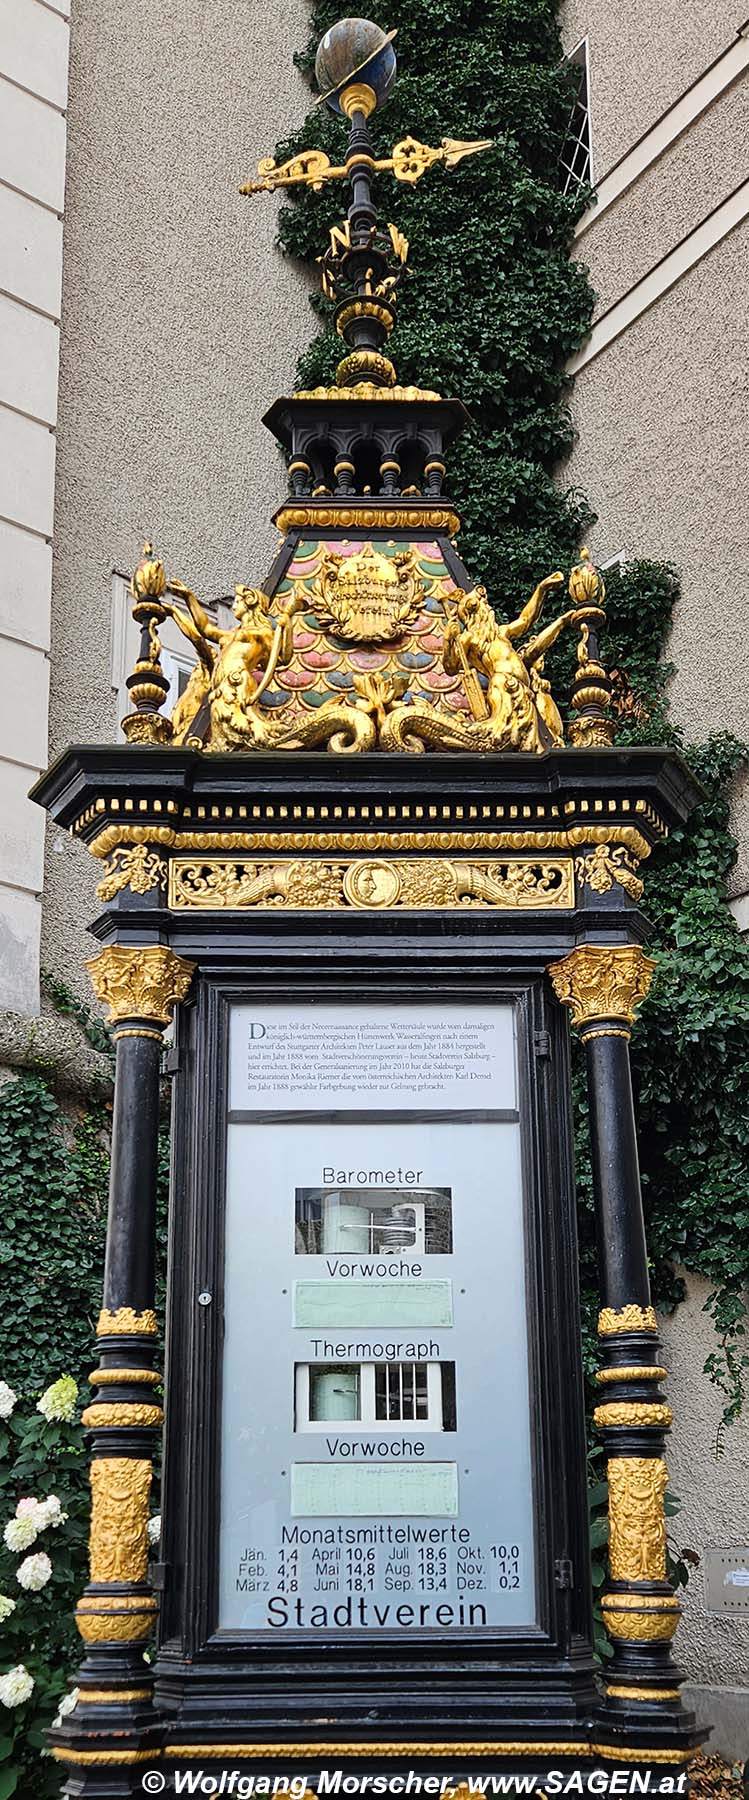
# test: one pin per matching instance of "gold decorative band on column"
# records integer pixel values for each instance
(360, 159)
(126, 1323)
(128, 1620)
(136, 1031)
(106, 1758)
(112, 1377)
(118, 1544)
(611, 1321)
(615, 1691)
(626, 1372)
(143, 981)
(603, 982)
(643, 1618)
(117, 1603)
(595, 1031)
(111, 1696)
(637, 1524)
(633, 1412)
(121, 1412)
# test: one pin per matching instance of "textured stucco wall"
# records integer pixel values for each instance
(180, 324)
(34, 44)
(642, 58)
(661, 454)
(680, 189)
(712, 1647)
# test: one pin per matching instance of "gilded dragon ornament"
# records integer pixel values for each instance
(368, 601)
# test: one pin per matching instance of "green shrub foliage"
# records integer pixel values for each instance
(39, 1458)
(53, 1228)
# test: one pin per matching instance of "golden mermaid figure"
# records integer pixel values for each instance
(517, 711)
(233, 672)
(226, 674)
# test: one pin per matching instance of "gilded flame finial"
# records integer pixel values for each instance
(591, 725)
(148, 685)
(586, 586)
(149, 578)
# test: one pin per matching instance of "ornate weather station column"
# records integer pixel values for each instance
(374, 1552)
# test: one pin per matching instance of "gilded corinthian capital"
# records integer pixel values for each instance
(142, 982)
(603, 982)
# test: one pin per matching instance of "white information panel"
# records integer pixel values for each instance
(344, 1058)
(376, 1463)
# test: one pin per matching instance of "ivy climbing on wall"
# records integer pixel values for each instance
(491, 310)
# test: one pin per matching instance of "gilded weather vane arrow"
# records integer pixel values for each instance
(408, 162)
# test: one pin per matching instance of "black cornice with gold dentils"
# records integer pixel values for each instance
(105, 792)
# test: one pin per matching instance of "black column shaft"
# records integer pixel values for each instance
(620, 1228)
(129, 1272)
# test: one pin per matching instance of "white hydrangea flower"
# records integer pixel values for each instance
(27, 1508)
(49, 1513)
(7, 1400)
(67, 1705)
(7, 1606)
(154, 1530)
(58, 1401)
(34, 1573)
(16, 1687)
(20, 1534)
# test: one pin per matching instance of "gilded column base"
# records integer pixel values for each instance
(107, 1765)
(640, 1609)
(113, 1735)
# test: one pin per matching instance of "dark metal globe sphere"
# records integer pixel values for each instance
(354, 49)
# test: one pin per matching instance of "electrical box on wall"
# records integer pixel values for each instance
(727, 1579)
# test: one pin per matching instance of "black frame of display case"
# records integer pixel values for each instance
(466, 1679)
(484, 1700)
